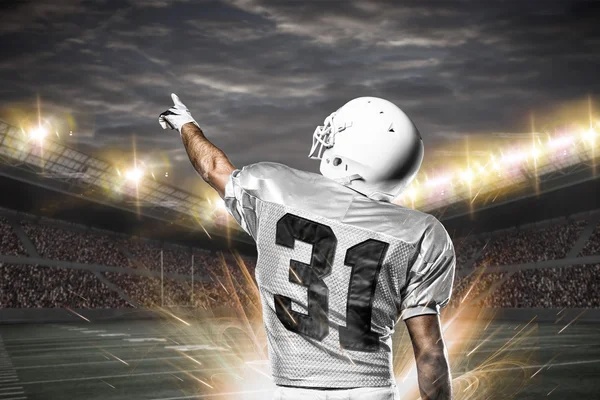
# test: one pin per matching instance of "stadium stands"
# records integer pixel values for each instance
(30, 286)
(10, 244)
(473, 288)
(532, 245)
(466, 250)
(592, 247)
(66, 245)
(570, 287)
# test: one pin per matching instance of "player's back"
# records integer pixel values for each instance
(336, 270)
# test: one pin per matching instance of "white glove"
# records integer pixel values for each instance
(177, 116)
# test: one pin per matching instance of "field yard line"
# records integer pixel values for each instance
(528, 338)
(200, 396)
(541, 347)
(14, 342)
(127, 376)
(562, 364)
(104, 347)
(117, 334)
(199, 355)
(87, 339)
(108, 361)
(99, 345)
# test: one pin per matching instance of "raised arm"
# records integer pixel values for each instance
(435, 382)
(208, 160)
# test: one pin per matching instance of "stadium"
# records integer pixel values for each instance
(116, 285)
(125, 275)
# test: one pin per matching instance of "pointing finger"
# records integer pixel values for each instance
(176, 101)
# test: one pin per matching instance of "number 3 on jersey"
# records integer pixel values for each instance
(365, 259)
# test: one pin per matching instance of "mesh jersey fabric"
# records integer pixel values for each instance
(364, 393)
(336, 271)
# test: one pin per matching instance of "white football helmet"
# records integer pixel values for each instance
(371, 146)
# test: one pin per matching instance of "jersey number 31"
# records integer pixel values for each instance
(364, 259)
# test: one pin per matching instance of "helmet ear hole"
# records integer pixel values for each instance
(337, 161)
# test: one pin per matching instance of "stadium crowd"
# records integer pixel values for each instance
(575, 286)
(467, 249)
(229, 280)
(77, 246)
(30, 286)
(10, 244)
(531, 245)
(592, 246)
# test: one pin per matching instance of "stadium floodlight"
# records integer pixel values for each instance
(134, 175)
(38, 134)
(514, 157)
(561, 142)
(412, 193)
(467, 176)
(438, 181)
(590, 135)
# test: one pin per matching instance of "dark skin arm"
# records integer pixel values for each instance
(435, 381)
(208, 160)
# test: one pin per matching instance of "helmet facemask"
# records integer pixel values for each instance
(324, 136)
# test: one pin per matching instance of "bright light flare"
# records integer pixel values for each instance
(134, 175)
(467, 176)
(38, 134)
(494, 164)
(438, 181)
(535, 153)
(590, 135)
(514, 157)
(220, 205)
(412, 193)
(560, 142)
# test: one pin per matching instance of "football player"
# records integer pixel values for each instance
(338, 263)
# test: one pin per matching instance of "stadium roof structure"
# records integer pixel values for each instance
(58, 167)
(561, 162)
(514, 176)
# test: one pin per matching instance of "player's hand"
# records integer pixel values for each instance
(176, 116)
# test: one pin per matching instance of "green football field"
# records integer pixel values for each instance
(212, 358)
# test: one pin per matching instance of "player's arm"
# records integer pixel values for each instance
(435, 382)
(427, 290)
(210, 162)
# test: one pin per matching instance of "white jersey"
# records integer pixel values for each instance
(336, 270)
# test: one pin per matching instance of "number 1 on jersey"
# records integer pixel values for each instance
(365, 259)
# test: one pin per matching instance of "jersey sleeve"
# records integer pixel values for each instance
(429, 282)
(241, 202)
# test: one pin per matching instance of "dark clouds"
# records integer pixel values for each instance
(260, 75)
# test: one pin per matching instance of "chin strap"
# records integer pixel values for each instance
(347, 179)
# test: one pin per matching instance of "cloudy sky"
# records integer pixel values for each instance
(259, 75)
